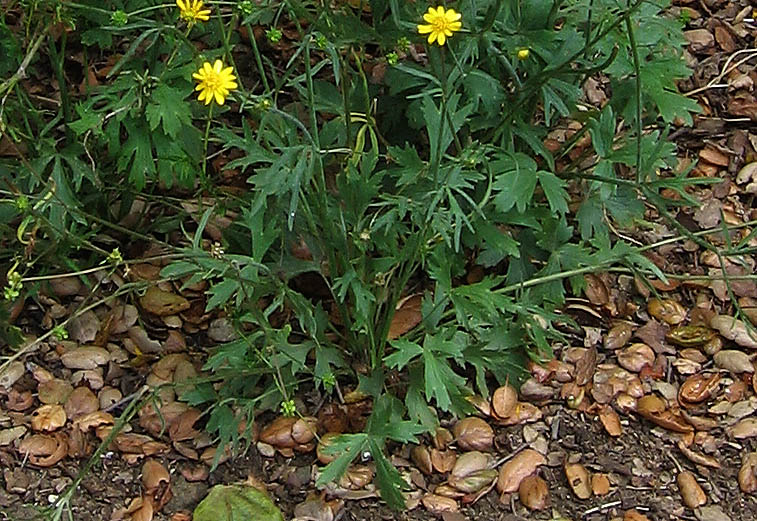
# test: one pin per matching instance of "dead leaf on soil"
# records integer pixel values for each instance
(600, 484)
(48, 418)
(667, 310)
(438, 504)
(735, 330)
(734, 361)
(611, 421)
(514, 471)
(406, 316)
(748, 474)
(473, 433)
(578, 479)
(504, 400)
(163, 303)
(534, 493)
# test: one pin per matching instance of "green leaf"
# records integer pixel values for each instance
(554, 191)
(515, 181)
(389, 480)
(221, 293)
(167, 107)
(348, 447)
(236, 503)
(405, 351)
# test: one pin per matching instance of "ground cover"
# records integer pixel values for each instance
(642, 401)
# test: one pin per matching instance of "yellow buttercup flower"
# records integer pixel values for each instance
(441, 24)
(192, 11)
(214, 82)
(523, 54)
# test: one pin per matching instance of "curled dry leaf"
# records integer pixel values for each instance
(692, 494)
(669, 311)
(141, 509)
(443, 460)
(512, 472)
(504, 400)
(698, 388)
(534, 493)
(697, 457)
(473, 433)
(596, 290)
(653, 408)
(748, 474)
(611, 421)
(442, 438)
(154, 475)
(635, 357)
(287, 433)
(533, 390)
(600, 484)
(578, 479)
(437, 504)
(44, 450)
(356, 477)
(734, 361)
(735, 330)
(48, 418)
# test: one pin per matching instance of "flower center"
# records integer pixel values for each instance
(440, 24)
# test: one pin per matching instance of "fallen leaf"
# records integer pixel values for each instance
(600, 484)
(692, 494)
(48, 418)
(618, 336)
(747, 477)
(534, 493)
(578, 479)
(85, 357)
(611, 421)
(236, 503)
(514, 471)
(435, 504)
(163, 303)
(406, 316)
(734, 361)
(669, 311)
(735, 330)
(746, 428)
(504, 400)
(473, 433)
(635, 357)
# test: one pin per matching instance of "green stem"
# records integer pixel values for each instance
(205, 141)
(637, 69)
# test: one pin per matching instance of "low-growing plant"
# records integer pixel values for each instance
(393, 152)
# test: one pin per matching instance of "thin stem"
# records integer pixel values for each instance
(637, 69)
(205, 145)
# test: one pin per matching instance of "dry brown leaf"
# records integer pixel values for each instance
(585, 366)
(514, 471)
(406, 316)
(746, 428)
(698, 458)
(618, 336)
(154, 474)
(635, 357)
(468, 463)
(48, 418)
(634, 515)
(653, 408)
(611, 421)
(81, 401)
(85, 357)
(669, 311)
(443, 460)
(524, 413)
(698, 388)
(699, 39)
(534, 493)
(475, 481)
(600, 484)
(734, 361)
(747, 477)
(419, 454)
(735, 330)
(690, 336)
(163, 303)
(596, 290)
(473, 433)
(692, 494)
(54, 391)
(504, 400)
(44, 450)
(578, 479)
(437, 504)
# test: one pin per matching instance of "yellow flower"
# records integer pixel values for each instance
(441, 24)
(192, 11)
(523, 54)
(214, 82)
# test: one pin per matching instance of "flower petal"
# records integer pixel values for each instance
(441, 38)
(423, 29)
(219, 98)
(217, 66)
